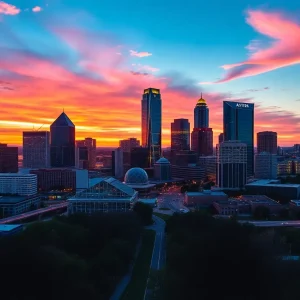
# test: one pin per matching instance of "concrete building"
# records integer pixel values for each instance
(262, 200)
(232, 207)
(231, 165)
(180, 135)
(128, 144)
(204, 198)
(55, 179)
(18, 184)
(265, 166)
(36, 149)
(191, 172)
(86, 153)
(209, 163)
(267, 142)
(15, 205)
(118, 163)
(273, 188)
(202, 141)
(162, 170)
(106, 195)
(8, 159)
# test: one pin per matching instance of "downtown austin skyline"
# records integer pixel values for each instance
(95, 61)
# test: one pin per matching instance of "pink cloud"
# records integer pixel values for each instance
(37, 9)
(139, 54)
(283, 51)
(8, 9)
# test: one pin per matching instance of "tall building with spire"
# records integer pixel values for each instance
(62, 136)
(151, 123)
(202, 135)
(201, 114)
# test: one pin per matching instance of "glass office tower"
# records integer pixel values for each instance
(151, 123)
(201, 114)
(238, 124)
(62, 135)
(180, 134)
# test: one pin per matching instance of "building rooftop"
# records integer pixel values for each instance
(270, 182)
(16, 175)
(13, 199)
(62, 120)
(204, 193)
(9, 227)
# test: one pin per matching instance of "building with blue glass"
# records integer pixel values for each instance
(180, 135)
(238, 124)
(201, 114)
(151, 123)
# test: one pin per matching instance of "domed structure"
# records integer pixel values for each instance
(162, 160)
(136, 176)
(201, 101)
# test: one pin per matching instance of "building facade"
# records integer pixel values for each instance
(265, 166)
(231, 165)
(267, 142)
(62, 136)
(8, 159)
(238, 124)
(18, 184)
(202, 141)
(152, 123)
(162, 170)
(117, 163)
(128, 144)
(221, 138)
(209, 163)
(180, 135)
(36, 149)
(55, 179)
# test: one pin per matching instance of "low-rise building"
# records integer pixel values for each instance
(204, 198)
(295, 205)
(9, 229)
(232, 207)
(105, 195)
(262, 200)
(15, 205)
(18, 184)
(152, 202)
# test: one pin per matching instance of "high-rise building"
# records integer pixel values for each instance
(139, 157)
(201, 114)
(238, 124)
(202, 141)
(36, 149)
(62, 136)
(231, 164)
(267, 142)
(221, 138)
(18, 184)
(151, 123)
(128, 144)
(209, 163)
(265, 165)
(86, 153)
(180, 135)
(8, 159)
(117, 163)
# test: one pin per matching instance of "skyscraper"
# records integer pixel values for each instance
(128, 144)
(36, 149)
(117, 163)
(201, 114)
(151, 123)
(180, 135)
(267, 142)
(202, 135)
(231, 165)
(238, 124)
(62, 150)
(221, 138)
(86, 153)
(8, 159)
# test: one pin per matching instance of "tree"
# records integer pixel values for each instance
(261, 213)
(144, 211)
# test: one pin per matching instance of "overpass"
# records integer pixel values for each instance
(287, 223)
(33, 213)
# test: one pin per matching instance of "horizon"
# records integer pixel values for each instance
(94, 62)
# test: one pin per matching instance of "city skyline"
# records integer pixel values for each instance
(97, 61)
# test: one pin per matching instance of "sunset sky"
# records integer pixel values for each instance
(94, 58)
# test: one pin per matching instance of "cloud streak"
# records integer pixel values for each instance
(8, 9)
(283, 51)
(139, 54)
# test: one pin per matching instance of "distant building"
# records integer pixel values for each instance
(267, 142)
(18, 184)
(191, 172)
(106, 195)
(201, 114)
(162, 170)
(152, 123)
(238, 124)
(8, 159)
(36, 149)
(184, 158)
(15, 205)
(180, 135)
(86, 153)
(202, 141)
(204, 198)
(221, 138)
(55, 179)
(62, 150)
(117, 163)
(265, 166)
(209, 163)
(128, 144)
(139, 157)
(231, 165)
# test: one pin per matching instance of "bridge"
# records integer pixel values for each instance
(33, 213)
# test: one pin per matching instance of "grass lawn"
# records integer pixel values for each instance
(137, 285)
(165, 217)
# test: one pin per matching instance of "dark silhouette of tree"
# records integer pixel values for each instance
(144, 211)
(261, 213)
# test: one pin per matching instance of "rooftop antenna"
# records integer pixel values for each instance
(40, 127)
(201, 95)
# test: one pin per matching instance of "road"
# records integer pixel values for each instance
(273, 223)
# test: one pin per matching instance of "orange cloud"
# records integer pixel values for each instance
(139, 54)
(283, 51)
(37, 9)
(8, 9)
